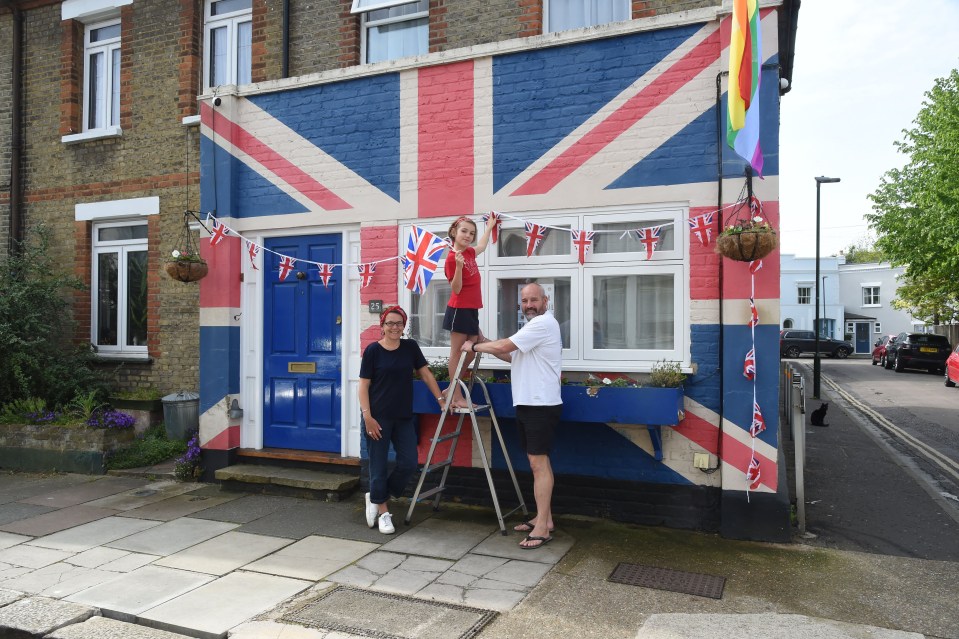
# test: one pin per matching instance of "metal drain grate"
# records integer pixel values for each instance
(690, 583)
(385, 616)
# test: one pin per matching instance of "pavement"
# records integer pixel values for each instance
(84, 557)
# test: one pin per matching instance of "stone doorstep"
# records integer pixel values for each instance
(39, 616)
(317, 480)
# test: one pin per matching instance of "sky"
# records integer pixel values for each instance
(861, 70)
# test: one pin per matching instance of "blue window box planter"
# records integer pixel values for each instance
(652, 407)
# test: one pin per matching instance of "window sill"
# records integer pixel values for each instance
(133, 358)
(191, 120)
(96, 134)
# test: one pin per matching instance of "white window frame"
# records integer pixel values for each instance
(122, 248)
(363, 7)
(878, 328)
(231, 21)
(588, 5)
(110, 112)
(799, 296)
(877, 290)
(580, 356)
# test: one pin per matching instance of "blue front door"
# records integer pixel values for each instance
(302, 346)
(862, 338)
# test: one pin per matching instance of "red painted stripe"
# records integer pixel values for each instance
(738, 455)
(227, 439)
(703, 261)
(221, 287)
(736, 276)
(635, 108)
(699, 431)
(463, 457)
(445, 139)
(271, 160)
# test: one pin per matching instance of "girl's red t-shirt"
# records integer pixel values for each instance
(471, 295)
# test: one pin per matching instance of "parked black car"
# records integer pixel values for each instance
(792, 343)
(918, 350)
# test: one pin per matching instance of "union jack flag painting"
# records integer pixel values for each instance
(252, 250)
(702, 227)
(218, 231)
(749, 365)
(535, 234)
(753, 475)
(286, 266)
(366, 273)
(422, 257)
(582, 244)
(649, 237)
(759, 424)
(325, 272)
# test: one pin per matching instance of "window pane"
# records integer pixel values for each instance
(397, 40)
(511, 317)
(115, 89)
(105, 33)
(136, 298)
(576, 14)
(114, 233)
(229, 6)
(512, 242)
(107, 297)
(219, 41)
(399, 11)
(633, 312)
(96, 101)
(244, 59)
(616, 243)
(426, 314)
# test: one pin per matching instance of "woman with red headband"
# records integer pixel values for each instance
(386, 407)
(462, 312)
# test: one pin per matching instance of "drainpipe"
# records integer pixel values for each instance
(719, 208)
(285, 71)
(16, 136)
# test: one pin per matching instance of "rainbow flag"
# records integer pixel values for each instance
(745, 58)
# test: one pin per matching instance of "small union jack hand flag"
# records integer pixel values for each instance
(753, 314)
(702, 227)
(759, 424)
(493, 218)
(582, 244)
(749, 366)
(286, 265)
(755, 265)
(423, 253)
(326, 272)
(252, 250)
(753, 475)
(219, 231)
(650, 238)
(366, 274)
(535, 234)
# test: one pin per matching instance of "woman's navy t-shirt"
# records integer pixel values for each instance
(391, 378)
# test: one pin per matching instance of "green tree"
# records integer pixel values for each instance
(863, 253)
(916, 208)
(931, 300)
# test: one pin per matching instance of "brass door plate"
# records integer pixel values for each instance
(301, 367)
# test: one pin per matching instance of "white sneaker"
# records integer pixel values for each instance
(371, 512)
(386, 524)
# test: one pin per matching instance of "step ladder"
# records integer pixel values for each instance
(430, 466)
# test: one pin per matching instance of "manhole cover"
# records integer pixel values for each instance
(386, 616)
(690, 583)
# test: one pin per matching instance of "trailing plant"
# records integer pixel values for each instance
(666, 375)
(111, 419)
(29, 410)
(152, 447)
(187, 467)
(757, 224)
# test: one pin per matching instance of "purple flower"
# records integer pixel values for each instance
(112, 419)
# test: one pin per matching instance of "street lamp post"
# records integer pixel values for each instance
(817, 364)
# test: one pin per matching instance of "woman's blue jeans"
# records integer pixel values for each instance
(383, 484)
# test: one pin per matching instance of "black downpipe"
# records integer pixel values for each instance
(16, 130)
(285, 71)
(719, 208)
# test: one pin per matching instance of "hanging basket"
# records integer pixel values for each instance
(187, 271)
(748, 245)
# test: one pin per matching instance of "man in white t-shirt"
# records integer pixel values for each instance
(535, 352)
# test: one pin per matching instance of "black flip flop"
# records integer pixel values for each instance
(526, 527)
(542, 542)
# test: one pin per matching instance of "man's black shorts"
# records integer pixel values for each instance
(462, 320)
(536, 425)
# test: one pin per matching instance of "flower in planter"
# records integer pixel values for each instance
(756, 224)
(111, 419)
(187, 467)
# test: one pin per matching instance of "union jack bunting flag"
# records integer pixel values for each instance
(326, 272)
(753, 475)
(252, 250)
(650, 238)
(753, 314)
(755, 265)
(535, 234)
(755, 206)
(366, 274)
(702, 227)
(286, 265)
(494, 219)
(218, 232)
(749, 365)
(759, 424)
(582, 244)
(423, 253)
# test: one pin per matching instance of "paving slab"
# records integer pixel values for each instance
(104, 628)
(132, 593)
(225, 553)
(57, 580)
(248, 508)
(9, 596)
(445, 539)
(765, 625)
(37, 616)
(508, 546)
(96, 557)
(9, 539)
(32, 556)
(312, 558)
(15, 511)
(240, 596)
(274, 630)
(178, 506)
(87, 491)
(172, 536)
(8, 571)
(96, 533)
(129, 563)
(57, 520)
(144, 495)
(292, 477)
(15, 486)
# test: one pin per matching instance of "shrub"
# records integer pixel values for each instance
(152, 447)
(666, 375)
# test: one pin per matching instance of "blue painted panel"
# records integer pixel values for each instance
(356, 121)
(738, 391)
(256, 196)
(703, 387)
(219, 364)
(541, 96)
